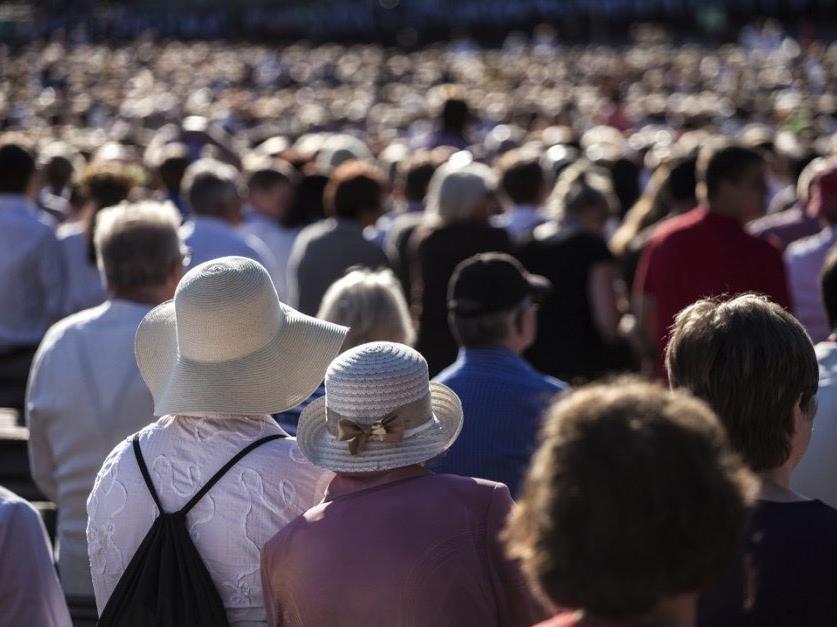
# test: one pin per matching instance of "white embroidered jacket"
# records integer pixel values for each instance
(256, 498)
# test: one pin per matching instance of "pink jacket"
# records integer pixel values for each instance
(402, 548)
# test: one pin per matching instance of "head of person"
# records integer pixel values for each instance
(414, 176)
(828, 287)
(460, 194)
(339, 149)
(173, 161)
(455, 114)
(226, 344)
(17, 169)
(270, 191)
(372, 305)
(583, 196)
(633, 499)
(492, 301)
(308, 203)
(731, 181)
(355, 191)
(103, 184)
(755, 365)
(380, 412)
(139, 252)
(522, 180)
(58, 165)
(211, 190)
(822, 199)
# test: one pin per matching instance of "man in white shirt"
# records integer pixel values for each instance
(816, 475)
(85, 391)
(522, 191)
(31, 276)
(211, 191)
(270, 192)
(804, 258)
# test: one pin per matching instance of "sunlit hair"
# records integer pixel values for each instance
(372, 305)
(633, 496)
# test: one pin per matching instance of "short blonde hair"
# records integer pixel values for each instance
(137, 244)
(371, 304)
(454, 192)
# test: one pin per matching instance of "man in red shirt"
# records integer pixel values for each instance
(707, 252)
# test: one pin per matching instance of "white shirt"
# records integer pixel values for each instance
(210, 238)
(519, 221)
(279, 240)
(804, 260)
(31, 277)
(29, 590)
(85, 395)
(271, 486)
(816, 475)
(84, 287)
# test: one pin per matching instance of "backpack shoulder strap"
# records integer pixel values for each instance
(217, 476)
(145, 475)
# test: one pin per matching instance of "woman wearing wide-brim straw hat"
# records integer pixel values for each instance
(392, 543)
(218, 359)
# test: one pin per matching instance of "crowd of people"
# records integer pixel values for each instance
(454, 337)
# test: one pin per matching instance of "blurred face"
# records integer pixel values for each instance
(748, 195)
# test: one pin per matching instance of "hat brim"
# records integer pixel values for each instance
(277, 377)
(323, 449)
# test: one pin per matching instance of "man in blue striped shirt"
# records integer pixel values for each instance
(492, 310)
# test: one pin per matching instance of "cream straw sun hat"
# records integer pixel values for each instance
(226, 344)
(379, 412)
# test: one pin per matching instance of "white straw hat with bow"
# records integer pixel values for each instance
(226, 344)
(379, 412)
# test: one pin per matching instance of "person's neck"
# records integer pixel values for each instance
(726, 212)
(677, 611)
(775, 485)
(142, 295)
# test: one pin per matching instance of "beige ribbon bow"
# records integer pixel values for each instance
(388, 429)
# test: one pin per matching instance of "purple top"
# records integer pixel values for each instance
(398, 548)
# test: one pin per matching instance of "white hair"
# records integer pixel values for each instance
(207, 184)
(455, 191)
(137, 244)
(372, 305)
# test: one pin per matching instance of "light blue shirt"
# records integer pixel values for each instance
(31, 274)
(210, 238)
(278, 239)
(84, 287)
(519, 221)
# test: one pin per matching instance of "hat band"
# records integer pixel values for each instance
(401, 422)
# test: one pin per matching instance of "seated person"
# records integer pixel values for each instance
(754, 364)
(633, 503)
(392, 544)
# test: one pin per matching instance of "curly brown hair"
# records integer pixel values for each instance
(632, 497)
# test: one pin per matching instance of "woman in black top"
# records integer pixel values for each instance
(578, 324)
(455, 227)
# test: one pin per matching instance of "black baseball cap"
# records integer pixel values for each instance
(491, 282)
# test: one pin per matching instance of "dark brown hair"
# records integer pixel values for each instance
(17, 167)
(724, 162)
(104, 184)
(633, 496)
(752, 362)
(521, 178)
(353, 189)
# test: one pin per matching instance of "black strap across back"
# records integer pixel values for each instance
(208, 485)
(166, 583)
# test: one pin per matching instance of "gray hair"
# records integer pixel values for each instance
(454, 192)
(484, 330)
(581, 186)
(137, 244)
(371, 304)
(208, 184)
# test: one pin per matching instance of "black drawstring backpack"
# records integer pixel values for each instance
(166, 583)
